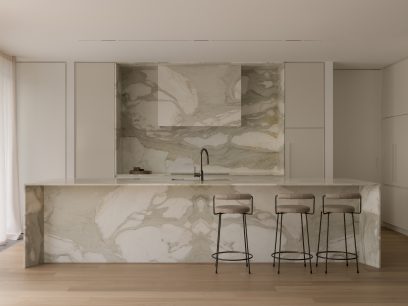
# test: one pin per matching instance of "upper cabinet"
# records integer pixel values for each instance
(182, 94)
(95, 105)
(199, 95)
(395, 89)
(304, 95)
(41, 89)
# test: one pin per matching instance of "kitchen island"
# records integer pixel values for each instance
(159, 218)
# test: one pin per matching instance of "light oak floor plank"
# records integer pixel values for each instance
(197, 284)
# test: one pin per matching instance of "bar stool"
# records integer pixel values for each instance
(280, 210)
(244, 210)
(338, 209)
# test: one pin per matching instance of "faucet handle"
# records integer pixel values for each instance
(196, 174)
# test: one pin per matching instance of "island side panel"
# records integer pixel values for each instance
(34, 226)
(176, 224)
(370, 225)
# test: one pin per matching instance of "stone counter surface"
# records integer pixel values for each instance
(210, 179)
(157, 219)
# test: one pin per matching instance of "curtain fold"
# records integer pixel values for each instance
(10, 214)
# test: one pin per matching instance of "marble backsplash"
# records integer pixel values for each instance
(199, 95)
(255, 147)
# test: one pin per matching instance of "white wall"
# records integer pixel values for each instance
(41, 126)
(395, 146)
(357, 124)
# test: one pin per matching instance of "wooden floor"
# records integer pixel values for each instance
(197, 284)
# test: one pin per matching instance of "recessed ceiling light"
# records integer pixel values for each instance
(198, 40)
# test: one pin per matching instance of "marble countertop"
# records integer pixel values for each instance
(210, 180)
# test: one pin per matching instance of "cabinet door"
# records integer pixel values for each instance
(395, 151)
(40, 89)
(304, 153)
(395, 89)
(95, 104)
(304, 95)
(41, 121)
(394, 202)
(388, 152)
(401, 150)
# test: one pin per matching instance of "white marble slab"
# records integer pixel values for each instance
(199, 95)
(254, 147)
(174, 223)
(210, 180)
(34, 226)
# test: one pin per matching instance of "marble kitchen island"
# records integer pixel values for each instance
(169, 219)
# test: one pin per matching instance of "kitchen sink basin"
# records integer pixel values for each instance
(198, 179)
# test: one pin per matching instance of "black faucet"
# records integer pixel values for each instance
(201, 162)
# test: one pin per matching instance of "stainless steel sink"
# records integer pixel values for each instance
(198, 179)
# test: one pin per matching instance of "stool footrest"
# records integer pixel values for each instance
(308, 256)
(350, 255)
(248, 256)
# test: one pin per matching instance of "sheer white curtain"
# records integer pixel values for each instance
(10, 215)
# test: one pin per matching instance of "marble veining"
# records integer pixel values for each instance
(34, 226)
(370, 225)
(254, 147)
(199, 95)
(174, 223)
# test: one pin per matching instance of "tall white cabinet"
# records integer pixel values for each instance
(40, 93)
(304, 120)
(395, 146)
(41, 121)
(94, 116)
(357, 124)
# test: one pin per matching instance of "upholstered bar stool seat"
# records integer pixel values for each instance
(244, 209)
(232, 209)
(301, 209)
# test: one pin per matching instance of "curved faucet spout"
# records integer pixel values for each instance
(201, 161)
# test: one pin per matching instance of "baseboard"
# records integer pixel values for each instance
(395, 228)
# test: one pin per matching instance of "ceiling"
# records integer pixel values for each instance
(352, 33)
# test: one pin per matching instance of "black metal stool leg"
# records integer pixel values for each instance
(345, 236)
(327, 239)
(218, 242)
(280, 243)
(355, 243)
(245, 240)
(276, 237)
(318, 241)
(246, 244)
(303, 240)
(308, 243)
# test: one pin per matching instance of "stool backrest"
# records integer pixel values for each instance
(343, 196)
(235, 197)
(295, 196)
